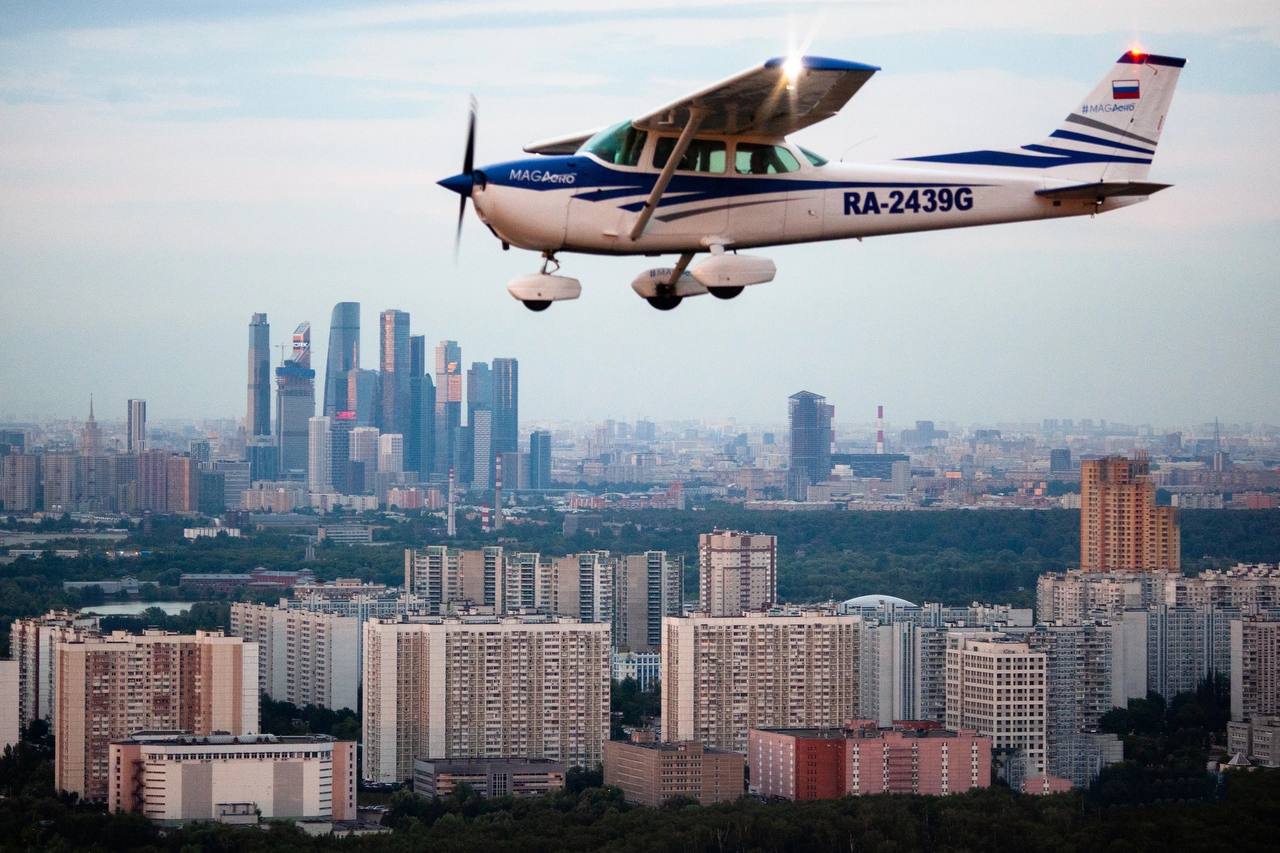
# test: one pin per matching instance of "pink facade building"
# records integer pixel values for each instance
(910, 757)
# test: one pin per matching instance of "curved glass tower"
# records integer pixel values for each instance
(343, 356)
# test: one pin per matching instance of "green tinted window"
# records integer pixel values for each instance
(815, 159)
(753, 158)
(620, 144)
(702, 155)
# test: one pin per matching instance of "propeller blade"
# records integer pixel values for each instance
(457, 235)
(468, 159)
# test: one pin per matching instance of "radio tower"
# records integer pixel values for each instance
(880, 428)
(452, 529)
(497, 492)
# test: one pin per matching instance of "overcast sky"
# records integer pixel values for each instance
(168, 169)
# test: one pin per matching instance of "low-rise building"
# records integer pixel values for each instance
(912, 757)
(650, 773)
(488, 777)
(645, 668)
(173, 777)
(1257, 740)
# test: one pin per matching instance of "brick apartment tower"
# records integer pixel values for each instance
(1121, 528)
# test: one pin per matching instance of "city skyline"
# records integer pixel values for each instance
(292, 184)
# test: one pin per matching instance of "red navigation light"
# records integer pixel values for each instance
(1136, 54)
(345, 416)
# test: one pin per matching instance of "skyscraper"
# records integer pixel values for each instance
(364, 395)
(257, 420)
(479, 389)
(1121, 528)
(506, 405)
(340, 428)
(393, 350)
(319, 455)
(810, 419)
(420, 412)
(390, 453)
(91, 435)
(295, 402)
(137, 426)
(482, 448)
(448, 404)
(540, 459)
(343, 356)
(363, 451)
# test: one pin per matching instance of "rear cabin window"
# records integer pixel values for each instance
(702, 155)
(753, 158)
(620, 145)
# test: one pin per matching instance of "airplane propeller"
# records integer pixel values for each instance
(463, 187)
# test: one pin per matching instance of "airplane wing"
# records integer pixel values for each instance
(774, 99)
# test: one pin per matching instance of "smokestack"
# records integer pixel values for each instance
(497, 493)
(880, 428)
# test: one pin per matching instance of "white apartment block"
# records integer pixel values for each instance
(483, 687)
(1075, 596)
(1255, 669)
(1249, 588)
(109, 687)
(996, 686)
(737, 572)
(305, 657)
(778, 669)
(450, 579)
(33, 644)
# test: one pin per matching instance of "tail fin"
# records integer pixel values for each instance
(1111, 136)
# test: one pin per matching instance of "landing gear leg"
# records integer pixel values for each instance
(666, 298)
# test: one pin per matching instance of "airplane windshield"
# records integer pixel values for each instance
(620, 144)
(815, 159)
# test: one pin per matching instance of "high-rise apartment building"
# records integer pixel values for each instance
(109, 687)
(722, 676)
(448, 415)
(19, 481)
(33, 643)
(319, 455)
(448, 579)
(393, 354)
(810, 418)
(153, 481)
(257, 419)
(363, 451)
(91, 434)
(342, 358)
(1121, 528)
(10, 727)
(1255, 668)
(390, 453)
(996, 686)
(304, 657)
(737, 572)
(182, 484)
(506, 405)
(647, 587)
(482, 464)
(295, 403)
(136, 429)
(539, 459)
(470, 687)
(61, 471)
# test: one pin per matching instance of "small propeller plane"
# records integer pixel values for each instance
(714, 173)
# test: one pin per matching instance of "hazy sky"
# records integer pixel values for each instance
(168, 169)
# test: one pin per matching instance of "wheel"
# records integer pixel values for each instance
(725, 292)
(664, 303)
(537, 304)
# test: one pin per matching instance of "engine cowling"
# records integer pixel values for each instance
(541, 287)
(647, 283)
(725, 271)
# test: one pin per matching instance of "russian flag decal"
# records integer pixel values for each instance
(1124, 90)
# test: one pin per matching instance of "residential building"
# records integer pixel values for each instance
(644, 668)
(10, 724)
(109, 687)
(448, 414)
(449, 579)
(737, 572)
(650, 773)
(481, 427)
(136, 427)
(646, 588)
(363, 450)
(1258, 740)
(174, 777)
(235, 481)
(19, 480)
(488, 777)
(996, 686)
(911, 757)
(33, 643)
(304, 657)
(483, 687)
(319, 455)
(91, 434)
(390, 453)
(786, 667)
(1121, 528)
(539, 460)
(1255, 668)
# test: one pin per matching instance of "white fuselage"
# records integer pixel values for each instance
(577, 203)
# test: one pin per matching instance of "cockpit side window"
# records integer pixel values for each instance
(620, 144)
(702, 155)
(754, 158)
(815, 159)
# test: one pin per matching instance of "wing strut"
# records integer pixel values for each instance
(664, 177)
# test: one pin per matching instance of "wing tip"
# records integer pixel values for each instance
(822, 63)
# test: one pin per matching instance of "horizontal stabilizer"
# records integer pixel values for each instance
(1103, 190)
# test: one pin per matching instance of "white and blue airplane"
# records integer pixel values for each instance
(714, 173)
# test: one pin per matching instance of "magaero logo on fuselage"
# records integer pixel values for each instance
(1109, 108)
(537, 176)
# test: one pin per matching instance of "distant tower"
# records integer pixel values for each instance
(451, 530)
(394, 360)
(320, 454)
(257, 420)
(497, 492)
(448, 414)
(880, 428)
(810, 461)
(91, 435)
(506, 405)
(137, 426)
(295, 403)
(343, 357)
